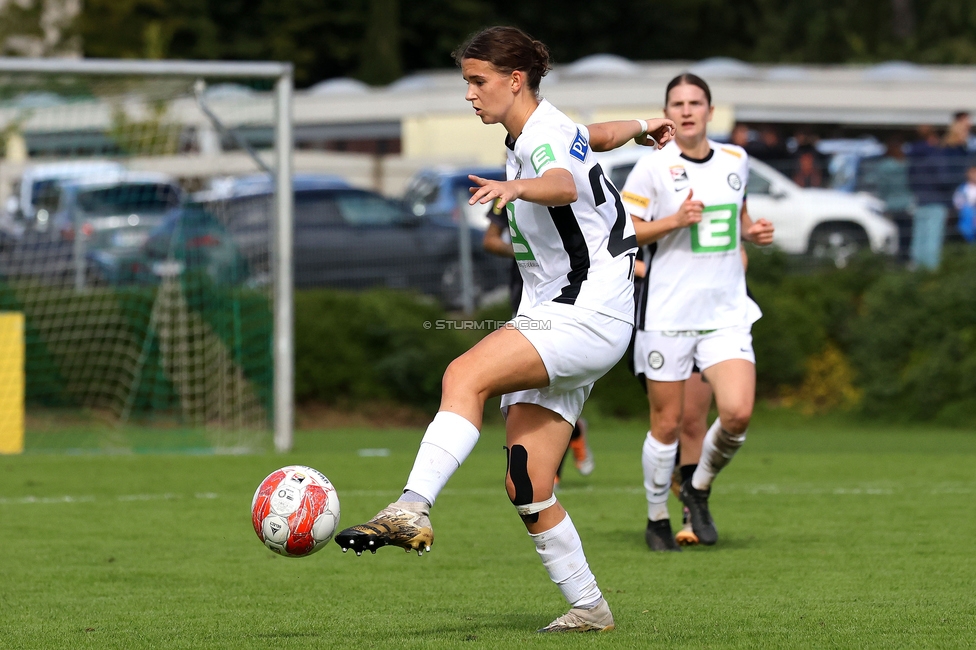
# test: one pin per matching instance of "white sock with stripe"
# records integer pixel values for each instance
(718, 448)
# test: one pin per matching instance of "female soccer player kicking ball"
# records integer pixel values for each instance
(687, 203)
(575, 247)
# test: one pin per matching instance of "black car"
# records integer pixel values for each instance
(354, 239)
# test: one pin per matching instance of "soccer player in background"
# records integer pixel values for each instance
(694, 425)
(497, 241)
(576, 249)
(687, 202)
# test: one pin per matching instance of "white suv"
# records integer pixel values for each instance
(826, 224)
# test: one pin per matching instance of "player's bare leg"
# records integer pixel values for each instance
(734, 385)
(536, 441)
(580, 446)
(502, 362)
(666, 400)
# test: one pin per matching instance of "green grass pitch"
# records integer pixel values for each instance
(833, 534)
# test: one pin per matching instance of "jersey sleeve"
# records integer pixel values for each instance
(544, 149)
(638, 193)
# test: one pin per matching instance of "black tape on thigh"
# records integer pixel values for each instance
(518, 469)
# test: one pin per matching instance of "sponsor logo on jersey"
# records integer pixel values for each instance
(655, 360)
(636, 199)
(520, 245)
(735, 182)
(680, 177)
(541, 157)
(717, 231)
(580, 147)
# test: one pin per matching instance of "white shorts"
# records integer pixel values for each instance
(577, 346)
(670, 356)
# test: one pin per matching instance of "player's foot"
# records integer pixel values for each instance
(581, 450)
(701, 519)
(686, 536)
(658, 536)
(597, 619)
(405, 524)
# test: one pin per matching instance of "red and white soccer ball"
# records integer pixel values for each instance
(295, 511)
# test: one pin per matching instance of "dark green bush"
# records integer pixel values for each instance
(803, 311)
(914, 343)
(351, 347)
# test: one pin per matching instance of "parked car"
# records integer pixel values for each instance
(81, 216)
(352, 238)
(118, 212)
(826, 224)
(441, 194)
(236, 186)
(190, 238)
(41, 181)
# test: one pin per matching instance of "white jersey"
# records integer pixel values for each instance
(578, 254)
(695, 279)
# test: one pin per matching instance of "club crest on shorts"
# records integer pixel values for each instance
(655, 360)
(735, 182)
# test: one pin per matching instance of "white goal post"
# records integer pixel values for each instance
(281, 272)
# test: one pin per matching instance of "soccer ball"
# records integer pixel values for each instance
(295, 511)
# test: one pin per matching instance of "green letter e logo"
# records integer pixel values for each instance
(542, 156)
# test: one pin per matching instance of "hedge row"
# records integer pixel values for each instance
(870, 337)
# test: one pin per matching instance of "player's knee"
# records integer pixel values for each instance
(666, 428)
(736, 420)
(458, 378)
(518, 483)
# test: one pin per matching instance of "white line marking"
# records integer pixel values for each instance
(767, 489)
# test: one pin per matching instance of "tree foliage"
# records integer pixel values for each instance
(377, 40)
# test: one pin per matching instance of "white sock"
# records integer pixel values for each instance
(448, 441)
(561, 552)
(658, 461)
(718, 448)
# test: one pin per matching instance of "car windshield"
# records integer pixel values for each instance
(125, 198)
(47, 194)
(757, 184)
(362, 209)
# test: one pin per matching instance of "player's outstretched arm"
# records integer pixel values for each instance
(605, 136)
(555, 187)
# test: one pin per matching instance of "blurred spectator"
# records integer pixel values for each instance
(888, 178)
(809, 166)
(964, 200)
(931, 179)
(740, 137)
(807, 172)
(771, 150)
(962, 126)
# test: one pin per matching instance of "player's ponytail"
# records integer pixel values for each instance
(508, 49)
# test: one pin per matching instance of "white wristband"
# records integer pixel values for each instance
(643, 125)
